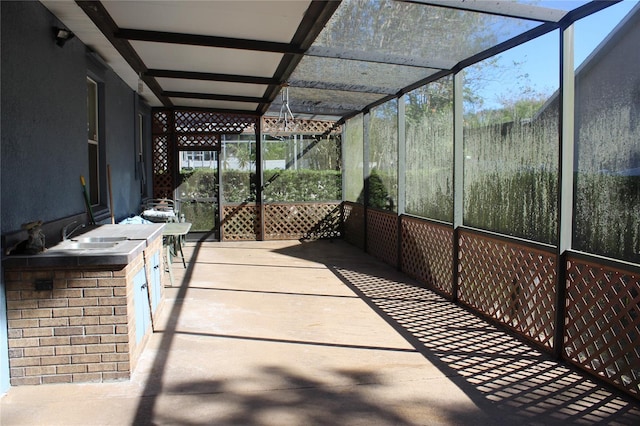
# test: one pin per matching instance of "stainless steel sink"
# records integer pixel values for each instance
(84, 240)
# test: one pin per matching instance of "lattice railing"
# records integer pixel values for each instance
(188, 129)
(289, 221)
(162, 167)
(602, 326)
(382, 236)
(272, 125)
(510, 282)
(240, 222)
(195, 141)
(353, 223)
(192, 121)
(427, 253)
(160, 121)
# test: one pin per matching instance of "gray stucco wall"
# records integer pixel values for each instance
(44, 122)
(43, 130)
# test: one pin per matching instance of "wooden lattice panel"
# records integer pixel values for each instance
(213, 122)
(382, 236)
(240, 222)
(512, 283)
(353, 223)
(602, 326)
(162, 167)
(301, 220)
(272, 125)
(427, 253)
(198, 141)
(160, 121)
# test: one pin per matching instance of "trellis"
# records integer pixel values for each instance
(195, 130)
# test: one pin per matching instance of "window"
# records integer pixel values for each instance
(93, 180)
(142, 155)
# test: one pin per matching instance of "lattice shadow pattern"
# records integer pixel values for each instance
(602, 333)
(511, 283)
(491, 366)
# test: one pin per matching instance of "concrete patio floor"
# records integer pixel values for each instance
(319, 333)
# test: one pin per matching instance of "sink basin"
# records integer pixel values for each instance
(85, 240)
(89, 245)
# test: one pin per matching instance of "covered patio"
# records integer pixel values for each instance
(327, 336)
(403, 212)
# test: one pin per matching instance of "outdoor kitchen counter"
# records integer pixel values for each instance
(82, 310)
(69, 253)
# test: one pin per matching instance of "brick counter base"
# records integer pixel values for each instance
(83, 330)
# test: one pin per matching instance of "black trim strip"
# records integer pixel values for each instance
(214, 97)
(192, 75)
(205, 40)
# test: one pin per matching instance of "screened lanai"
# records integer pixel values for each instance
(490, 150)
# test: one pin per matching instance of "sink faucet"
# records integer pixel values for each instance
(65, 234)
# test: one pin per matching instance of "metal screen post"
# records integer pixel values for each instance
(402, 169)
(458, 173)
(366, 120)
(565, 175)
(259, 181)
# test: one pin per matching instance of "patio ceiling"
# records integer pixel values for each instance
(336, 58)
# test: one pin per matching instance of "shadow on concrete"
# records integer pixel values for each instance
(504, 376)
(509, 382)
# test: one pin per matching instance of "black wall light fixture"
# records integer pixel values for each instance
(62, 35)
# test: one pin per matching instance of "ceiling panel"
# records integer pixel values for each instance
(205, 103)
(207, 59)
(254, 20)
(213, 87)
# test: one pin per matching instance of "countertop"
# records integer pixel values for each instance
(138, 237)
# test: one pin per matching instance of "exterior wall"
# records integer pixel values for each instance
(44, 123)
(4, 344)
(44, 132)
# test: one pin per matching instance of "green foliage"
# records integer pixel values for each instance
(275, 150)
(284, 185)
(383, 156)
(379, 196)
(429, 145)
(237, 186)
(521, 204)
(202, 215)
(198, 183)
(352, 161)
(512, 111)
(302, 185)
(607, 194)
(607, 215)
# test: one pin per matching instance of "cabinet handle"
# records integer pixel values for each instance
(143, 286)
